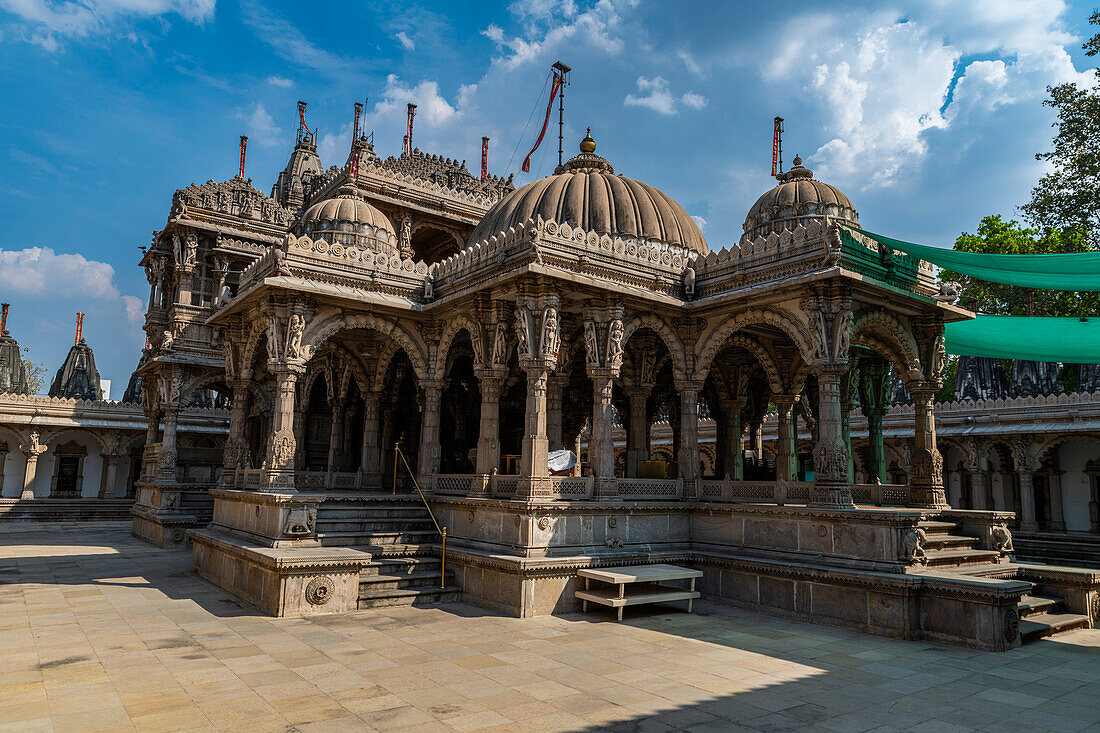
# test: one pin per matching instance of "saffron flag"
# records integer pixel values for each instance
(526, 167)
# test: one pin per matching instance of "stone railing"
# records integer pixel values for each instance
(249, 478)
(661, 489)
(452, 484)
(571, 488)
(755, 492)
(503, 487)
(878, 494)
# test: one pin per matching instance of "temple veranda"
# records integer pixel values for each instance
(479, 328)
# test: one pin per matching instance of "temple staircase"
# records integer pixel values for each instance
(1043, 612)
(398, 533)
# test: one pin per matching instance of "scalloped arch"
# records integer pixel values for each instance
(788, 323)
(667, 335)
(452, 329)
(317, 333)
(892, 339)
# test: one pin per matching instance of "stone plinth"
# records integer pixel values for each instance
(268, 519)
(158, 515)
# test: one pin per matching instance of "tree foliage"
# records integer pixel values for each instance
(1069, 195)
(997, 236)
(36, 373)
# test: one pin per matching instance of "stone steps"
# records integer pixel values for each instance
(402, 566)
(1041, 625)
(949, 542)
(375, 524)
(933, 528)
(1032, 605)
(960, 558)
(406, 597)
(358, 539)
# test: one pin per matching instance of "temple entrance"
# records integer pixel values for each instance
(460, 409)
(318, 427)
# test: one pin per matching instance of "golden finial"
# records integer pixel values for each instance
(588, 145)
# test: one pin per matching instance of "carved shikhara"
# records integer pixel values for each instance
(320, 590)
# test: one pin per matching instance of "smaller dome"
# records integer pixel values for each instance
(346, 208)
(798, 196)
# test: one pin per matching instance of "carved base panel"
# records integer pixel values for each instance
(931, 497)
(158, 517)
(279, 581)
(268, 519)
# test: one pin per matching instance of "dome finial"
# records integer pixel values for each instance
(588, 145)
(797, 160)
(797, 171)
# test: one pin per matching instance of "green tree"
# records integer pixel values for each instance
(997, 236)
(36, 373)
(1069, 196)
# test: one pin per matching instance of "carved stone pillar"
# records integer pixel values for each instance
(926, 488)
(32, 449)
(371, 452)
(428, 463)
(336, 435)
(786, 456)
(688, 456)
(488, 440)
(533, 460)
(601, 447)
(279, 463)
(831, 486)
(235, 445)
(166, 471)
(637, 434)
(874, 398)
(554, 390)
(107, 490)
(3, 458)
(732, 455)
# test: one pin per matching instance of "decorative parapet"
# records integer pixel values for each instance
(235, 198)
(806, 248)
(650, 265)
(994, 405)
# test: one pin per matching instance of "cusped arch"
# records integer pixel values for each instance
(55, 439)
(667, 335)
(764, 356)
(886, 335)
(713, 342)
(1044, 448)
(454, 326)
(318, 333)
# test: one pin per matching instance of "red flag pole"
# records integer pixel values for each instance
(244, 147)
(484, 158)
(526, 167)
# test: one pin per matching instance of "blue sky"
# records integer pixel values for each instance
(927, 114)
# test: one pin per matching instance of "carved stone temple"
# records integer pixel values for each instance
(481, 328)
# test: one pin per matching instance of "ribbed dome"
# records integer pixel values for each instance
(346, 208)
(797, 196)
(585, 192)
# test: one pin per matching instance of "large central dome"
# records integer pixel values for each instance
(585, 192)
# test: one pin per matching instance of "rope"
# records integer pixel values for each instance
(523, 134)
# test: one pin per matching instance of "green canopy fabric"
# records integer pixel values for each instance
(1068, 340)
(1077, 271)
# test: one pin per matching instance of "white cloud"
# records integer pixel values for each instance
(886, 82)
(700, 221)
(287, 40)
(407, 43)
(47, 20)
(655, 94)
(135, 309)
(690, 63)
(260, 127)
(39, 271)
(550, 25)
(279, 81)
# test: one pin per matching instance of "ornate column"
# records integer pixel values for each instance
(32, 449)
(3, 458)
(490, 382)
(733, 434)
(370, 454)
(166, 470)
(926, 488)
(831, 485)
(110, 468)
(603, 344)
(849, 399)
(688, 455)
(786, 456)
(336, 434)
(874, 399)
(428, 463)
(538, 338)
(973, 465)
(554, 390)
(279, 462)
(235, 445)
(637, 434)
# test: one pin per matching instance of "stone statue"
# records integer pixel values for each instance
(550, 333)
(912, 546)
(278, 256)
(177, 248)
(522, 344)
(167, 341)
(950, 292)
(834, 246)
(272, 337)
(591, 344)
(429, 287)
(191, 251)
(295, 326)
(615, 344)
(1001, 538)
(405, 243)
(689, 282)
(223, 298)
(477, 343)
(939, 358)
(500, 345)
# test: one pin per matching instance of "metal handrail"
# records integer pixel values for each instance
(441, 530)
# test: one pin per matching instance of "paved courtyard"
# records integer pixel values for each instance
(99, 631)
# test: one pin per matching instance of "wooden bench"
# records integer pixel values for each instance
(652, 586)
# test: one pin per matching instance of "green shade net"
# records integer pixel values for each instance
(1068, 340)
(1077, 271)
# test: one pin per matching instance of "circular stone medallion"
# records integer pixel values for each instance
(320, 590)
